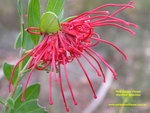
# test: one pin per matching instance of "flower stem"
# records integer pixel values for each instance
(15, 85)
(22, 75)
(20, 65)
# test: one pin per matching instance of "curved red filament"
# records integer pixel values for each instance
(33, 28)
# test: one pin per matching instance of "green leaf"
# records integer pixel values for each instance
(17, 93)
(32, 92)
(24, 62)
(22, 32)
(49, 22)
(18, 41)
(67, 19)
(7, 69)
(10, 103)
(19, 7)
(39, 110)
(61, 15)
(29, 107)
(34, 18)
(30, 104)
(20, 11)
(55, 6)
(27, 43)
(2, 101)
(3, 110)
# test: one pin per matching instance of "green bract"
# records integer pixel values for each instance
(49, 23)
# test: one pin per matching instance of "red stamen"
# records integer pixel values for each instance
(62, 92)
(64, 63)
(27, 83)
(98, 38)
(86, 77)
(50, 86)
(36, 62)
(16, 66)
(28, 30)
(117, 26)
(31, 64)
(123, 8)
(115, 75)
(53, 62)
(84, 57)
(97, 63)
(116, 5)
(111, 45)
(43, 67)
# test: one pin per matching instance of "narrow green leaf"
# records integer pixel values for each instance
(18, 41)
(49, 22)
(22, 32)
(3, 110)
(19, 7)
(20, 11)
(2, 101)
(27, 43)
(7, 69)
(24, 62)
(34, 18)
(32, 92)
(67, 19)
(61, 15)
(55, 6)
(10, 103)
(29, 107)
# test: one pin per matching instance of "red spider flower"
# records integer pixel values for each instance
(70, 42)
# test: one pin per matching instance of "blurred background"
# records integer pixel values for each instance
(133, 74)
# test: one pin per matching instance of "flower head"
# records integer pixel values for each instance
(72, 41)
